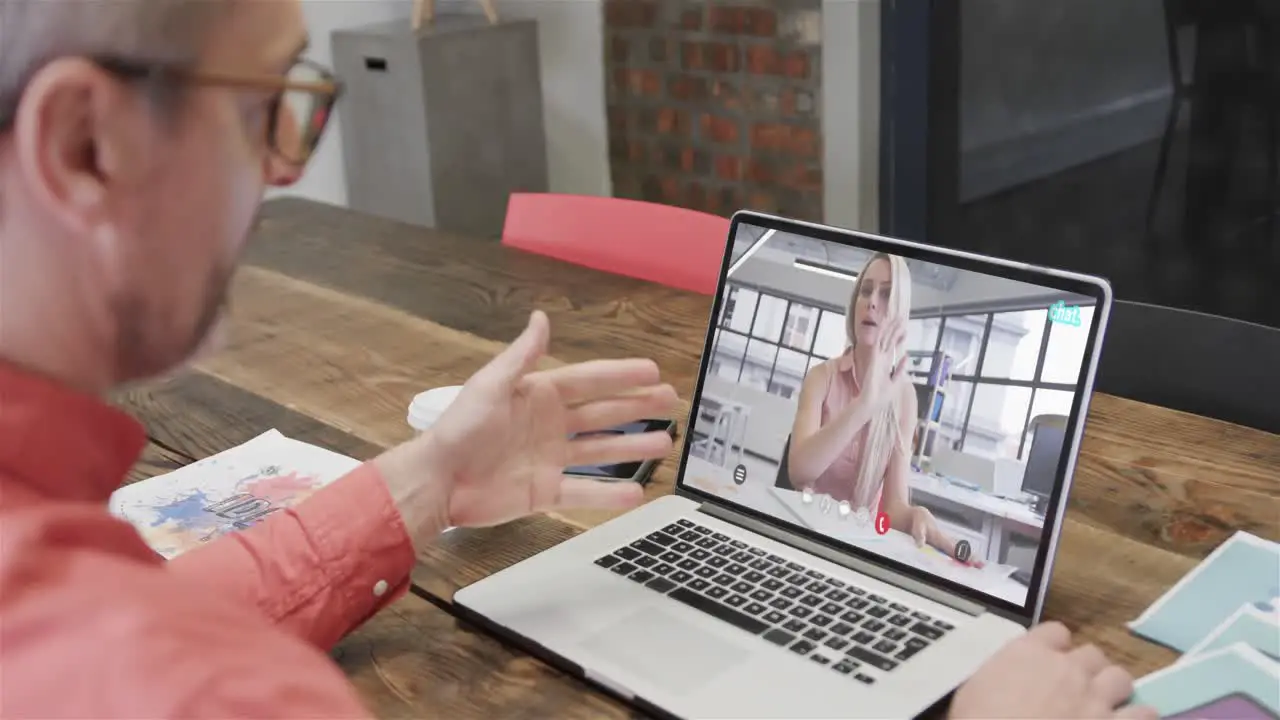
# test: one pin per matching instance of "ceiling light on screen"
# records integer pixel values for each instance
(822, 269)
(750, 251)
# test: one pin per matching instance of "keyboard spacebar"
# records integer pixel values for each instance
(711, 607)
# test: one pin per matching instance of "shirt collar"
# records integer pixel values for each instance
(61, 443)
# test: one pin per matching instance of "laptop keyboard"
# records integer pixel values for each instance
(854, 632)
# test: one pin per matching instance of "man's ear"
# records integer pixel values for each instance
(74, 128)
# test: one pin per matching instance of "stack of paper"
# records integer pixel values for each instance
(226, 492)
(1224, 616)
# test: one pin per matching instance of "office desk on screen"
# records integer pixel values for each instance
(785, 504)
(997, 518)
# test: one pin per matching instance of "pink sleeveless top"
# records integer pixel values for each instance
(840, 479)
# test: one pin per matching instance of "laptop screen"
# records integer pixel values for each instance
(897, 404)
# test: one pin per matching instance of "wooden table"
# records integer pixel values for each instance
(341, 318)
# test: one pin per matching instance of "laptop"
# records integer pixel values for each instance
(780, 579)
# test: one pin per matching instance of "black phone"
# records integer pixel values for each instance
(637, 472)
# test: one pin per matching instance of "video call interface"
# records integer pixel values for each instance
(913, 410)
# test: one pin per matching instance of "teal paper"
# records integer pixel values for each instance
(1250, 626)
(1198, 681)
(1244, 570)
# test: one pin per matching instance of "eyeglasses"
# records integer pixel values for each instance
(299, 111)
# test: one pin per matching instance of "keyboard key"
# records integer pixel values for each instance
(873, 626)
(886, 647)
(927, 631)
(780, 603)
(771, 584)
(723, 579)
(716, 610)
(670, 556)
(689, 536)
(862, 637)
(802, 647)
(943, 626)
(716, 593)
(705, 572)
(736, 569)
(701, 530)
(699, 554)
(835, 583)
(762, 596)
(688, 565)
(876, 599)
(754, 608)
(662, 569)
(720, 536)
(661, 585)
(717, 562)
(795, 567)
(675, 528)
(916, 643)
(862, 654)
(627, 553)
(832, 608)
(876, 611)
(755, 551)
(776, 560)
(607, 561)
(820, 620)
(820, 659)
(857, 591)
(835, 642)
(921, 616)
(623, 568)
(858, 604)
(899, 607)
(778, 572)
(661, 538)
(680, 576)
(795, 626)
(842, 629)
(864, 679)
(699, 584)
(684, 523)
(743, 557)
(646, 561)
(737, 601)
(815, 634)
(792, 592)
(817, 586)
(779, 637)
(844, 667)
(900, 620)
(742, 587)
(894, 634)
(812, 601)
(910, 648)
(753, 577)
(773, 617)
(648, 548)
(682, 547)
(837, 596)
(797, 580)
(800, 611)
(852, 617)
(760, 564)
(815, 574)
(723, 550)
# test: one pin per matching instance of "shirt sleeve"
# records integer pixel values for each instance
(319, 569)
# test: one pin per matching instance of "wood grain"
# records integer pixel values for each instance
(340, 318)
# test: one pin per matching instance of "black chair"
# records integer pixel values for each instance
(1204, 364)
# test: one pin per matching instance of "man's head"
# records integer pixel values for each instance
(136, 140)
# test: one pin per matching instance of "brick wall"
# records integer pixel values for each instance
(714, 104)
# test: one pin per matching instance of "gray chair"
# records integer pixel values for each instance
(1195, 362)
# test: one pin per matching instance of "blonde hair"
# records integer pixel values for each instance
(884, 429)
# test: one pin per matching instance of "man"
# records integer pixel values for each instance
(136, 139)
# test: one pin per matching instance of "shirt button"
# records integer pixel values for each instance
(380, 588)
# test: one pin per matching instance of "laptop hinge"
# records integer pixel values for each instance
(896, 579)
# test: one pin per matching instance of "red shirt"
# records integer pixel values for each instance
(94, 624)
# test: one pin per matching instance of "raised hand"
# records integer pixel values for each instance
(886, 368)
(500, 450)
(1041, 676)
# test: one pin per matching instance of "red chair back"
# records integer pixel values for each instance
(659, 243)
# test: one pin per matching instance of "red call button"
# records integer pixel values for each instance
(882, 523)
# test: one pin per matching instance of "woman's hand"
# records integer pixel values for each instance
(885, 372)
(925, 530)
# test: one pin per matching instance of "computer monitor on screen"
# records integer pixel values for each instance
(1043, 459)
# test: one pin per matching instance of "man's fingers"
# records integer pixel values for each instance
(609, 449)
(1137, 712)
(585, 493)
(1112, 685)
(1052, 634)
(1090, 658)
(584, 382)
(522, 355)
(902, 364)
(657, 401)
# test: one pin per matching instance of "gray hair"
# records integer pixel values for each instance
(35, 32)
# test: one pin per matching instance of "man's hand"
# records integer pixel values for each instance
(1041, 676)
(500, 450)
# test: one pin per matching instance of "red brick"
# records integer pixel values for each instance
(619, 49)
(796, 65)
(686, 87)
(729, 168)
(695, 196)
(691, 56)
(672, 122)
(691, 20)
(789, 139)
(661, 49)
(802, 177)
(719, 129)
(762, 201)
(760, 22)
(726, 94)
(763, 60)
(641, 83)
(759, 173)
(617, 121)
(636, 150)
(717, 57)
(670, 190)
(630, 13)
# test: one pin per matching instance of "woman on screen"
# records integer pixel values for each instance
(857, 412)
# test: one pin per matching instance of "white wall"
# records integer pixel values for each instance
(571, 42)
(572, 90)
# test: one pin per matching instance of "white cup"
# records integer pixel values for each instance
(427, 406)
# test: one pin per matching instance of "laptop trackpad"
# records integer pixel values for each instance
(665, 650)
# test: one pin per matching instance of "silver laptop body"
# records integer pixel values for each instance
(741, 597)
